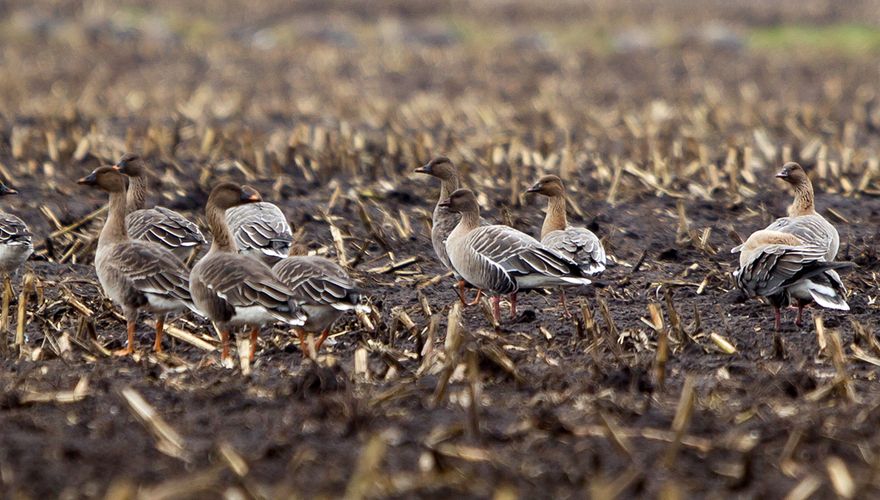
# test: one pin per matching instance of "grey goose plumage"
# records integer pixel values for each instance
(16, 241)
(232, 289)
(260, 230)
(158, 224)
(792, 260)
(135, 274)
(501, 259)
(323, 288)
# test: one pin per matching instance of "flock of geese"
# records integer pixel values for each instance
(252, 274)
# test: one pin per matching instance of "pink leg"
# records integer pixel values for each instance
(496, 308)
(512, 299)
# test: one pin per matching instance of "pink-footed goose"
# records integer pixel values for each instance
(577, 243)
(135, 274)
(442, 220)
(158, 224)
(260, 230)
(16, 242)
(323, 288)
(792, 258)
(501, 259)
(235, 290)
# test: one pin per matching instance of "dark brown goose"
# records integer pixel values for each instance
(158, 224)
(16, 242)
(323, 288)
(236, 290)
(577, 243)
(135, 274)
(501, 259)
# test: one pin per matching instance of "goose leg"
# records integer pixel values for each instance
(321, 340)
(301, 335)
(799, 321)
(460, 290)
(512, 298)
(778, 318)
(224, 339)
(160, 329)
(496, 308)
(131, 320)
(476, 299)
(565, 312)
(255, 330)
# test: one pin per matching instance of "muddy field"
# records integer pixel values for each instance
(668, 125)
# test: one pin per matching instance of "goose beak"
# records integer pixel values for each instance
(89, 180)
(534, 189)
(250, 195)
(117, 168)
(4, 189)
(424, 169)
(445, 203)
(782, 174)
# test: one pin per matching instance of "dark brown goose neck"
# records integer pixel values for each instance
(114, 228)
(137, 192)
(555, 220)
(222, 236)
(803, 199)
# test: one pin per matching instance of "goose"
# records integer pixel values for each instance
(501, 259)
(16, 243)
(135, 274)
(260, 230)
(158, 224)
(802, 220)
(577, 243)
(235, 290)
(442, 220)
(780, 267)
(323, 287)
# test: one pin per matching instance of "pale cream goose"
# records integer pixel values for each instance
(577, 243)
(236, 290)
(158, 224)
(323, 288)
(442, 220)
(781, 267)
(260, 230)
(501, 259)
(16, 242)
(135, 274)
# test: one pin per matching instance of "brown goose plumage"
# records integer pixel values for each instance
(260, 230)
(135, 274)
(323, 287)
(158, 224)
(233, 289)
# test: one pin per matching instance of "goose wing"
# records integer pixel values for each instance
(13, 231)
(163, 226)
(769, 269)
(245, 282)
(580, 245)
(261, 227)
(316, 280)
(150, 269)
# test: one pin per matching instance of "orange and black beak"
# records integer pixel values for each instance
(250, 195)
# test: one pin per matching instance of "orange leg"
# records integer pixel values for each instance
(496, 308)
(301, 335)
(461, 292)
(512, 299)
(129, 348)
(254, 332)
(224, 338)
(565, 312)
(476, 299)
(160, 329)
(321, 340)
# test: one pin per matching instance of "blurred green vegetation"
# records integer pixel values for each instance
(845, 38)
